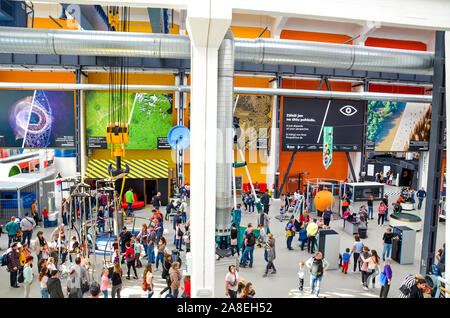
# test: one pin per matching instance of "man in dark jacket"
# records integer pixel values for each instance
(54, 286)
(266, 201)
(13, 265)
(125, 237)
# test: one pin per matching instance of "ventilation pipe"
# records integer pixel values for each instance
(259, 51)
(225, 140)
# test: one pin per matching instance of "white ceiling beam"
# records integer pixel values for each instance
(277, 26)
(365, 31)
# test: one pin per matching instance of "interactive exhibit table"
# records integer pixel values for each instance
(407, 206)
(404, 246)
(405, 219)
(362, 190)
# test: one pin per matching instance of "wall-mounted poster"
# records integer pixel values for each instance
(37, 119)
(253, 113)
(150, 113)
(398, 126)
(304, 119)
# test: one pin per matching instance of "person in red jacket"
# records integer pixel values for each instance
(131, 260)
(45, 215)
(187, 287)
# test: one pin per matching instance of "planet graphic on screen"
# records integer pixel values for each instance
(32, 120)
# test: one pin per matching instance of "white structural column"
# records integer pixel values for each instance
(207, 23)
(272, 166)
(83, 138)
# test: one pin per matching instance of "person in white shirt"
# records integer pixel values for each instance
(301, 275)
(231, 282)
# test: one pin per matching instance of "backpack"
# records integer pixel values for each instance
(317, 267)
(383, 279)
(251, 239)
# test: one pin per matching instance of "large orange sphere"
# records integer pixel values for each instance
(323, 199)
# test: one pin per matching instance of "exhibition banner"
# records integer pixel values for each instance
(327, 146)
(398, 126)
(150, 117)
(253, 114)
(304, 120)
(37, 119)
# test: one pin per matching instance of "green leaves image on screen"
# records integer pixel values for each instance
(151, 117)
(379, 113)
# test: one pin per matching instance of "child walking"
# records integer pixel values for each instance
(301, 275)
(105, 283)
(345, 260)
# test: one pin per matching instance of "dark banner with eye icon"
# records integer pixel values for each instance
(305, 118)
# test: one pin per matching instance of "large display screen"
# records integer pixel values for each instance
(151, 118)
(304, 119)
(253, 113)
(398, 126)
(37, 119)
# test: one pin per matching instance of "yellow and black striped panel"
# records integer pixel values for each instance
(98, 169)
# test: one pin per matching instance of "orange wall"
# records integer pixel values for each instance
(396, 44)
(47, 23)
(314, 36)
(249, 32)
(37, 77)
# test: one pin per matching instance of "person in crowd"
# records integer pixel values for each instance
(270, 256)
(12, 228)
(64, 210)
(28, 276)
(266, 201)
(45, 216)
(249, 243)
(54, 286)
(311, 231)
(362, 227)
(234, 240)
(370, 207)
(130, 258)
(101, 220)
(105, 283)
(160, 256)
(387, 243)
(346, 214)
(317, 266)
(169, 208)
(421, 194)
(381, 213)
(327, 216)
(372, 262)
(129, 196)
(418, 288)
(179, 234)
(167, 265)
(22, 257)
(411, 198)
(27, 224)
(94, 290)
(148, 277)
(251, 203)
(183, 210)
(231, 282)
(385, 200)
(57, 233)
(159, 228)
(263, 219)
(345, 260)
(186, 287)
(290, 233)
(363, 212)
(261, 240)
(13, 264)
(151, 242)
(304, 218)
(116, 281)
(137, 253)
(364, 254)
(248, 291)
(345, 202)
(82, 274)
(74, 285)
(157, 201)
(408, 282)
(34, 214)
(301, 275)
(397, 207)
(356, 251)
(387, 274)
(142, 237)
(43, 279)
(175, 278)
(51, 264)
(125, 237)
(245, 200)
(302, 237)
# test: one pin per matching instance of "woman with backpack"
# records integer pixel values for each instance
(290, 233)
(372, 263)
(165, 272)
(148, 278)
(131, 260)
(116, 280)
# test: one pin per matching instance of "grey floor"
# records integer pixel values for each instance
(284, 284)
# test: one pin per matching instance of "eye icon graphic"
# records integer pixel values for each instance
(348, 110)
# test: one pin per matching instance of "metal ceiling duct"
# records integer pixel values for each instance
(225, 138)
(330, 55)
(266, 51)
